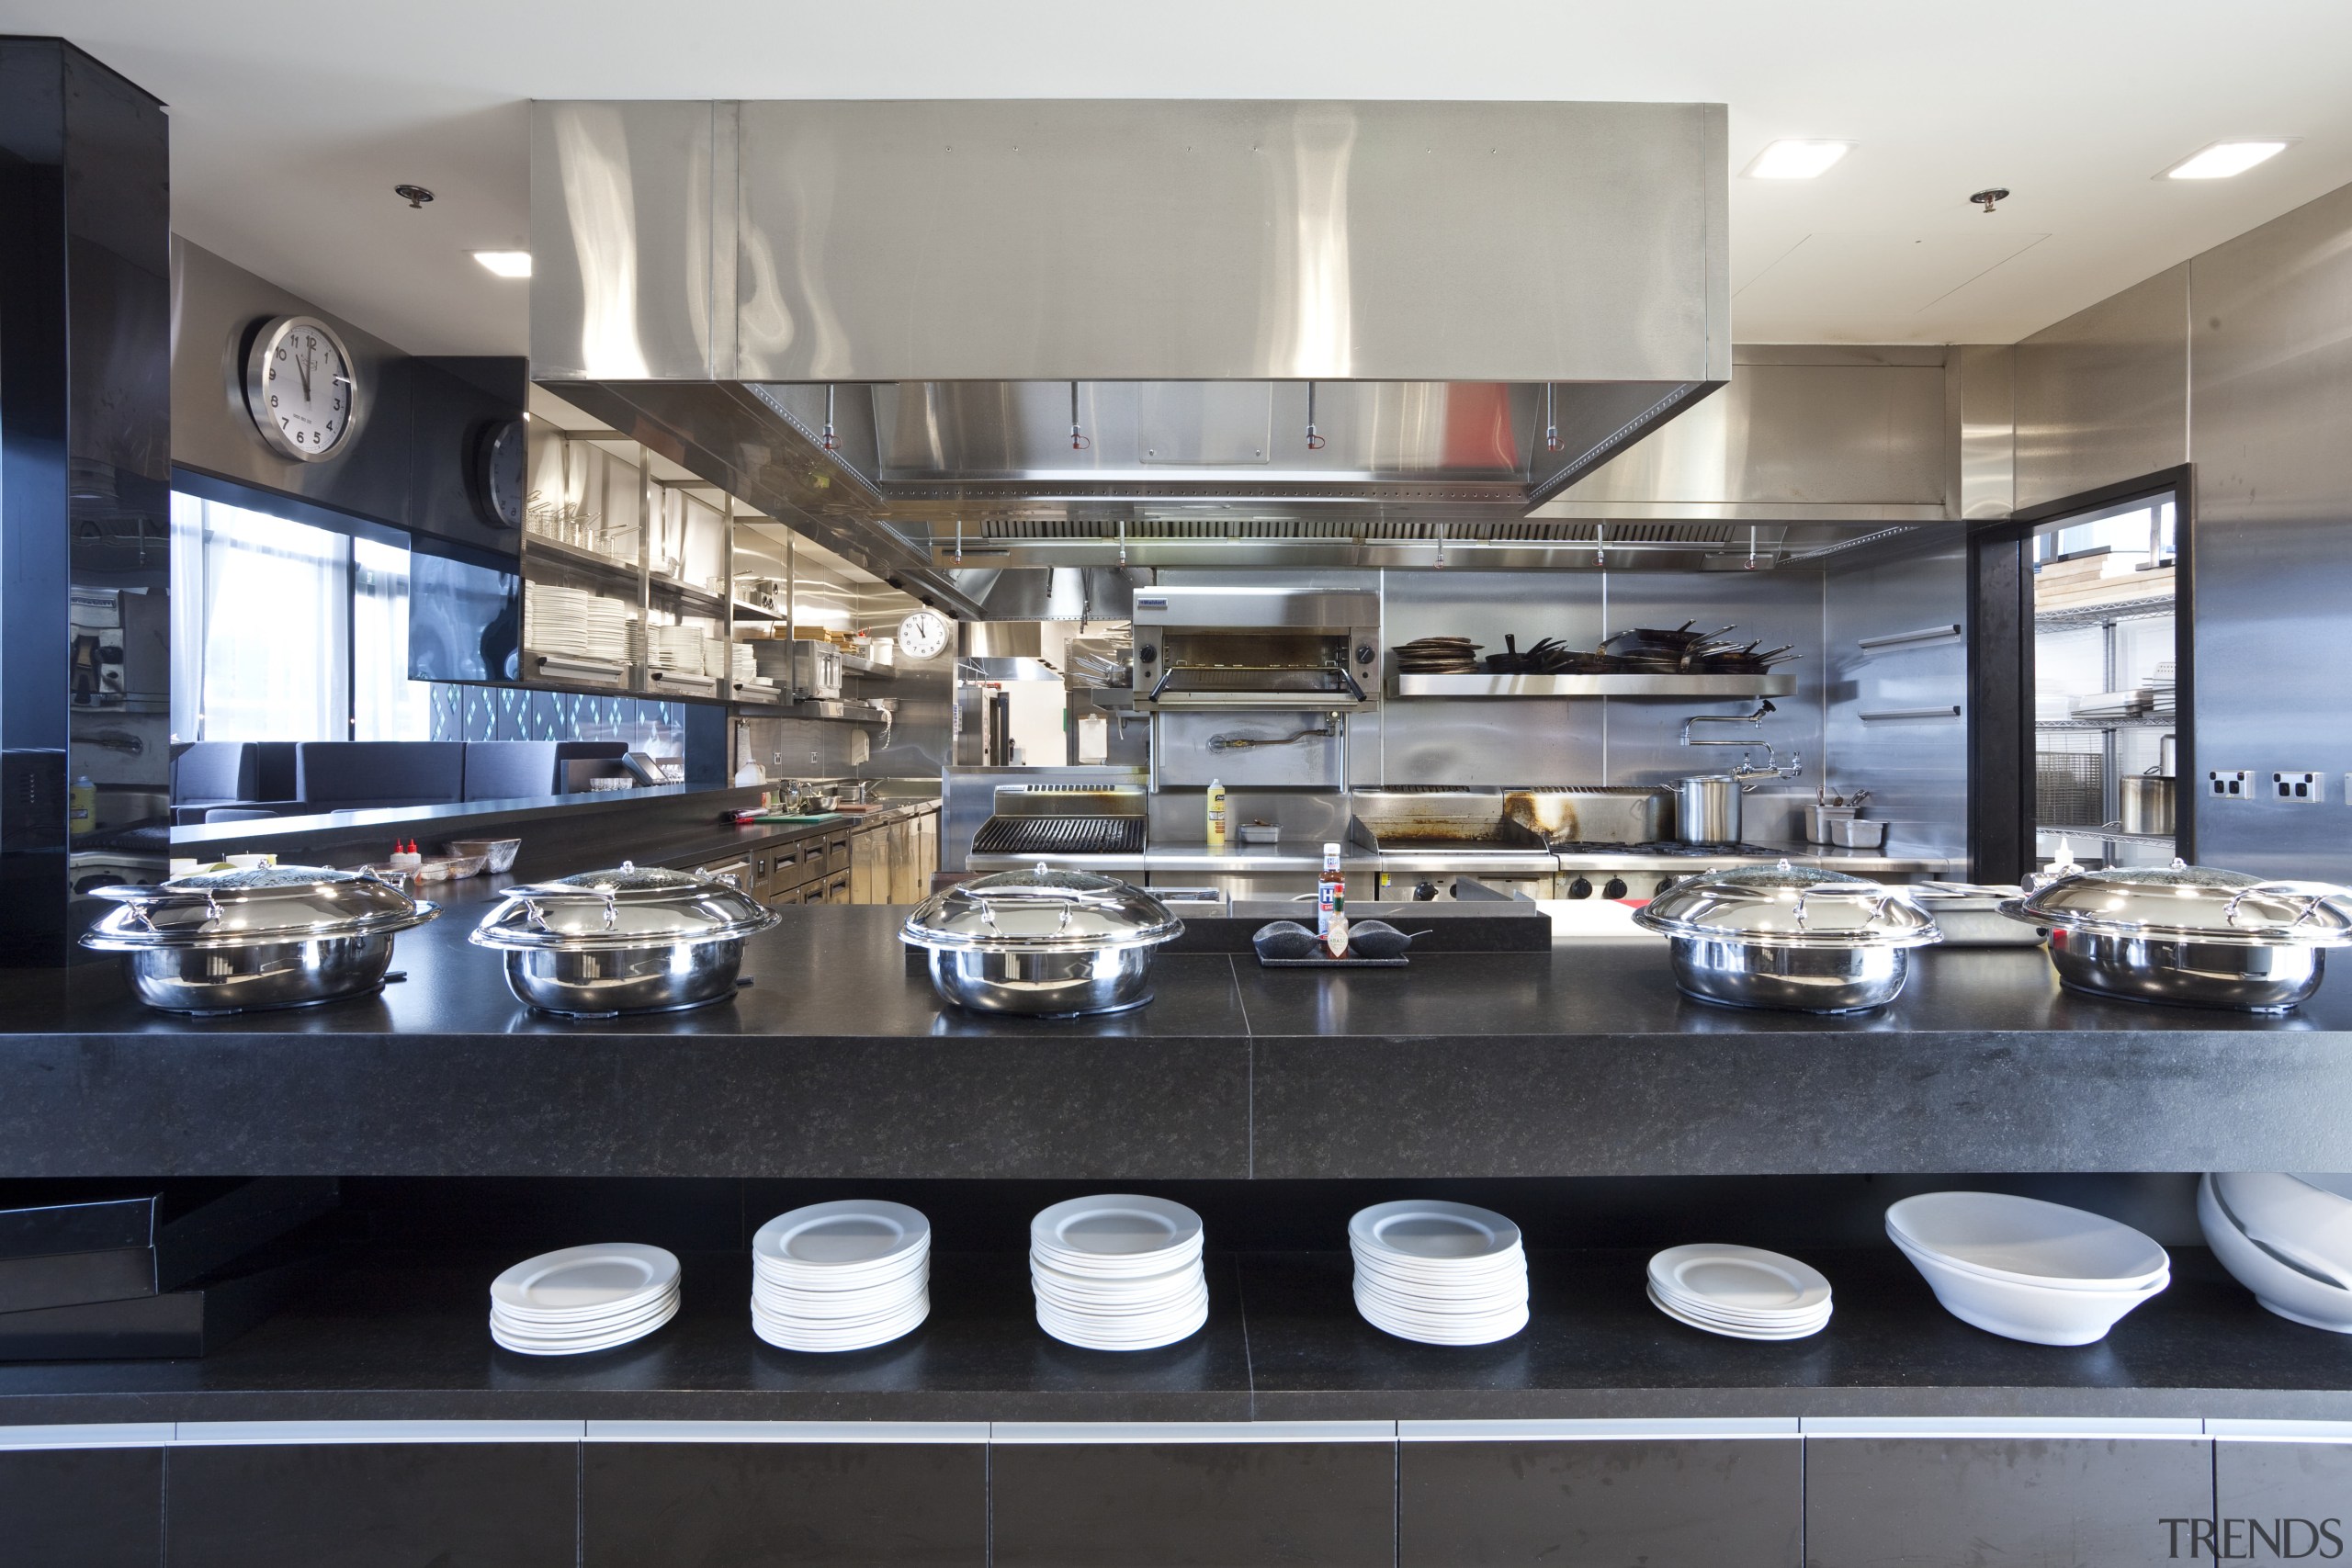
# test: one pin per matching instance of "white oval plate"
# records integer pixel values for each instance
(584, 1281)
(1729, 1332)
(1428, 1229)
(1114, 1228)
(850, 1234)
(1738, 1279)
(2028, 1240)
(582, 1348)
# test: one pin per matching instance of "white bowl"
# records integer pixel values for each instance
(2293, 1295)
(2035, 1314)
(2025, 1241)
(2295, 1215)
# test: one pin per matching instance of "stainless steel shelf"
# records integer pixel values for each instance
(2103, 614)
(2115, 835)
(2147, 721)
(1592, 686)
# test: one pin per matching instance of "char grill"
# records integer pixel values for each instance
(1059, 836)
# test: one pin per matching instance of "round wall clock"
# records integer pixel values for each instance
(498, 473)
(923, 635)
(301, 387)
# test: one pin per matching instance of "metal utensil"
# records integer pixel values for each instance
(1789, 938)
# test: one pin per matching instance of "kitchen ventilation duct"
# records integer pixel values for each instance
(894, 324)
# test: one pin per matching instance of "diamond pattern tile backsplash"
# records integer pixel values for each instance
(505, 713)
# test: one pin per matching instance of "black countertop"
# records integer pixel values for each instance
(838, 1061)
(403, 1337)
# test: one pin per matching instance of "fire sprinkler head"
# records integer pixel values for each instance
(418, 195)
(1985, 198)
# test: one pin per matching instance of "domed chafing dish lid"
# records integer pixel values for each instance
(1042, 910)
(1789, 906)
(629, 906)
(2190, 903)
(249, 907)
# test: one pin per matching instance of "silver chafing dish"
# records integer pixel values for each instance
(2188, 934)
(244, 941)
(1789, 937)
(1042, 941)
(628, 940)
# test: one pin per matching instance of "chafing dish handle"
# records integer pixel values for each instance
(1878, 911)
(2313, 894)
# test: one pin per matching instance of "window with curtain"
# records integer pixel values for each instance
(281, 631)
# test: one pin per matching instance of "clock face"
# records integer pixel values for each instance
(923, 635)
(301, 388)
(498, 474)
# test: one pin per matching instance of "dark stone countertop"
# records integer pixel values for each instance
(401, 1337)
(840, 1061)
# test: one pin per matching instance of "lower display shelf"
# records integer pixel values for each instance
(405, 1337)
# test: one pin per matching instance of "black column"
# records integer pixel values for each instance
(84, 484)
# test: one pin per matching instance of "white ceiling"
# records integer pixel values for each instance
(290, 125)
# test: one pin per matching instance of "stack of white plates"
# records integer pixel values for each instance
(2027, 1270)
(841, 1276)
(1440, 1273)
(573, 622)
(1118, 1272)
(715, 657)
(583, 1299)
(1743, 1292)
(675, 647)
(742, 662)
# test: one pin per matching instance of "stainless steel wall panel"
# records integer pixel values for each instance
(2103, 396)
(1235, 240)
(1832, 428)
(1515, 740)
(1986, 420)
(621, 237)
(2271, 395)
(1916, 769)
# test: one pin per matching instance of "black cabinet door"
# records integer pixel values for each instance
(784, 1505)
(2280, 1501)
(82, 1508)
(1180, 1504)
(2021, 1503)
(1680, 1502)
(374, 1506)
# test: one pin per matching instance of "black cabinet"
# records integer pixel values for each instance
(2280, 1501)
(1179, 1505)
(784, 1504)
(82, 1508)
(1704, 1503)
(2021, 1503)
(373, 1506)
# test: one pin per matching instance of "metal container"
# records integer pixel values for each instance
(256, 938)
(1856, 833)
(1818, 820)
(1789, 938)
(1042, 941)
(2145, 804)
(1706, 809)
(627, 940)
(2189, 935)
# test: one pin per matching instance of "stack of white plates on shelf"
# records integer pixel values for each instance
(1118, 1272)
(2287, 1239)
(583, 1299)
(843, 1275)
(675, 647)
(742, 661)
(2030, 1271)
(1743, 1292)
(714, 659)
(1440, 1273)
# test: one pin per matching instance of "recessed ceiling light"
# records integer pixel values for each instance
(1796, 160)
(506, 264)
(2223, 159)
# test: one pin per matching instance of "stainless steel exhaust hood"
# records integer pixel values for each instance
(908, 325)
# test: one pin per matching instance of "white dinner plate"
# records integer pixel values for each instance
(1739, 1280)
(800, 1337)
(1115, 1232)
(849, 1234)
(1809, 1321)
(1082, 1335)
(1450, 1271)
(584, 1281)
(1500, 1328)
(524, 1328)
(1431, 1229)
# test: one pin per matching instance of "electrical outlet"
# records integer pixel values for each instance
(2235, 785)
(2298, 788)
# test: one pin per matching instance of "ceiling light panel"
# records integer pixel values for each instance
(1792, 160)
(506, 264)
(2223, 159)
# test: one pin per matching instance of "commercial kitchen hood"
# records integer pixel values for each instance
(933, 335)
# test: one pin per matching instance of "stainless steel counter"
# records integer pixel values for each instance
(1299, 857)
